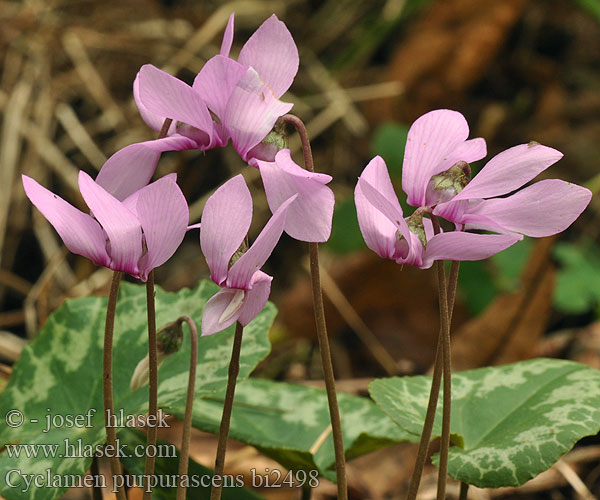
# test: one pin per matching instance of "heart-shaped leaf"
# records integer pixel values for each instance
(515, 420)
(59, 376)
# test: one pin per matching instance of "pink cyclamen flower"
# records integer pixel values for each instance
(309, 217)
(223, 229)
(237, 100)
(133, 236)
(546, 207)
(436, 143)
(411, 240)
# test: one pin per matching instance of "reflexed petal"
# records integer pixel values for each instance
(214, 309)
(122, 227)
(155, 122)
(431, 139)
(227, 37)
(241, 273)
(216, 81)
(271, 51)
(457, 245)
(224, 225)
(132, 167)
(469, 151)
(379, 232)
(251, 112)
(80, 232)
(165, 95)
(163, 213)
(545, 208)
(509, 170)
(309, 217)
(256, 297)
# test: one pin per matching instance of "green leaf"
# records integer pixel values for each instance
(578, 282)
(290, 423)
(515, 420)
(167, 470)
(345, 232)
(60, 374)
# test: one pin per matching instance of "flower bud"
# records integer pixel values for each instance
(168, 341)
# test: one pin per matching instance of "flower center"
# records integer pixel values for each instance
(446, 185)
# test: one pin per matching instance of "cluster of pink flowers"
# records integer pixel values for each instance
(437, 180)
(134, 226)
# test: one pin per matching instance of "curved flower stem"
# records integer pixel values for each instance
(189, 404)
(152, 383)
(447, 393)
(234, 369)
(334, 412)
(107, 377)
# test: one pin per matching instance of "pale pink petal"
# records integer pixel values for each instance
(510, 170)
(469, 151)
(256, 297)
(155, 122)
(122, 227)
(224, 225)
(163, 213)
(545, 208)
(457, 245)
(132, 167)
(271, 51)
(251, 112)
(241, 273)
(216, 82)
(379, 232)
(213, 319)
(309, 217)
(227, 37)
(165, 95)
(80, 232)
(432, 138)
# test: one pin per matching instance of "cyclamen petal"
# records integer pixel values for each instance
(216, 82)
(163, 213)
(432, 140)
(256, 298)
(309, 217)
(378, 230)
(165, 95)
(228, 36)
(271, 51)
(214, 309)
(241, 273)
(81, 234)
(224, 225)
(132, 167)
(155, 122)
(251, 112)
(543, 209)
(122, 227)
(510, 170)
(458, 245)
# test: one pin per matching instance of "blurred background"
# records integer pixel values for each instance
(519, 70)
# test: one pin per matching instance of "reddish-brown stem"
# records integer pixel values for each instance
(152, 384)
(152, 362)
(234, 369)
(107, 378)
(189, 404)
(334, 412)
(447, 384)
